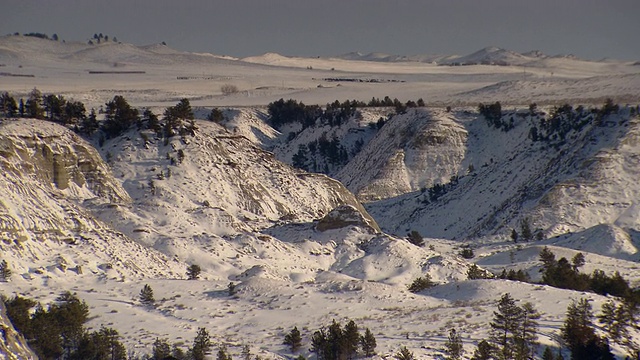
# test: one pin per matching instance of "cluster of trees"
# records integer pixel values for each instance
(566, 118)
(493, 114)
(119, 116)
(566, 274)
(58, 331)
(283, 112)
(40, 35)
(38, 106)
(337, 343)
(98, 38)
(322, 155)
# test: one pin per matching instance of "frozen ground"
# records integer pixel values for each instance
(287, 273)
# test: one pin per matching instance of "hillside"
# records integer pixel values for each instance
(280, 246)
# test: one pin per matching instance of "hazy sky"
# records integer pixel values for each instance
(591, 29)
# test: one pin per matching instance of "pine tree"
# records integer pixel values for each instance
(404, 354)
(319, 344)
(161, 349)
(293, 339)
(368, 342)
(415, 238)
(33, 105)
(514, 235)
(475, 272)
(5, 271)
(193, 272)
(526, 340)
(548, 354)
(421, 283)
(350, 340)
(525, 229)
(453, 346)
(201, 344)
(146, 296)
(579, 334)
(484, 351)
(504, 327)
(614, 320)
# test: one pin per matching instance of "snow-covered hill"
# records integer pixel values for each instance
(102, 219)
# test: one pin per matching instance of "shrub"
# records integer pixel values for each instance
(421, 283)
(228, 89)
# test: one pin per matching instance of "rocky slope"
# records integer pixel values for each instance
(560, 186)
(414, 150)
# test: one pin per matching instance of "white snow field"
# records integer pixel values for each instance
(104, 220)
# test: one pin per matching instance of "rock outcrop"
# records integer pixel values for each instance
(347, 215)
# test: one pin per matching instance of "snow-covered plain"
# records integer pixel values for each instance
(257, 227)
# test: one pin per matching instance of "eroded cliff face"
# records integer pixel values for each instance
(50, 182)
(41, 163)
(415, 150)
(51, 154)
(12, 344)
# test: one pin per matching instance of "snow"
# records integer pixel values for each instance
(244, 216)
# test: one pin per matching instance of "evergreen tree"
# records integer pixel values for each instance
(368, 342)
(514, 235)
(526, 341)
(475, 272)
(161, 349)
(103, 344)
(504, 327)
(548, 354)
(415, 238)
(69, 314)
(293, 339)
(580, 336)
(8, 106)
(201, 345)
(421, 283)
(5, 270)
(319, 344)
(33, 106)
(89, 124)
(350, 340)
(146, 296)
(577, 261)
(614, 320)
(300, 158)
(404, 354)
(193, 272)
(216, 115)
(484, 351)
(19, 312)
(453, 346)
(119, 116)
(525, 229)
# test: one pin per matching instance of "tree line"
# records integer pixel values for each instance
(119, 116)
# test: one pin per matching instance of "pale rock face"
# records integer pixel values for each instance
(414, 150)
(51, 154)
(12, 344)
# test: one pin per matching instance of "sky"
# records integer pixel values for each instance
(590, 29)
